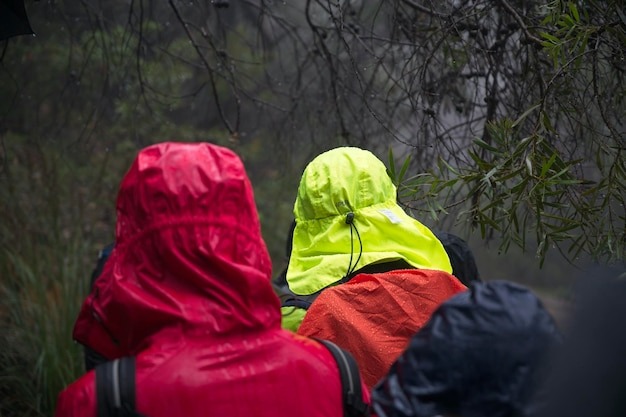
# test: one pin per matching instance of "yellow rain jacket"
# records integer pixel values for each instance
(326, 248)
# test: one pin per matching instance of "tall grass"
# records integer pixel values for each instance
(46, 253)
(41, 294)
(56, 211)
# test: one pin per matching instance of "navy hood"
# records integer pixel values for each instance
(479, 355)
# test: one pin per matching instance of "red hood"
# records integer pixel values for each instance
(189, 254)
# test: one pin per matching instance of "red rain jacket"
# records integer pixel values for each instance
(374, 316)
(187, 291)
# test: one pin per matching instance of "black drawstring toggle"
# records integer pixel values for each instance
(352, 268)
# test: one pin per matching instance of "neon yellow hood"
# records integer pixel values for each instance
(346, 180)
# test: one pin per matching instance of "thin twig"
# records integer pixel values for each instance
(520, 22)
(426, 10)
(206, 65)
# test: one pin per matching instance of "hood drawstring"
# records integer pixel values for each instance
(352, 268)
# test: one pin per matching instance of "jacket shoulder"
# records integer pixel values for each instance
(78, 399)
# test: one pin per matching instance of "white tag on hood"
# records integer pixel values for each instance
(390, 215)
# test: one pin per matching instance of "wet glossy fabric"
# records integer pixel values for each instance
(480, 355)
(354, 180)
(187, 290)
(374, 316)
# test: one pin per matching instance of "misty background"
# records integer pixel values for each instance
(501, 121)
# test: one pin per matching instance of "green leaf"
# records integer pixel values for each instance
(405, 166)
(514, 220)
(485, 145)
(574, 11)
(483, 230)
(542, 249)
(546, 122)
(560, 173)
(478, 160)
(576, 246)
(440, 207)
(569, 182)
(567, 227)
(551, 38)
(487, 177)
(569, 22)
(509, 175)
(524, 115)
(433, 213)
(450, 183)
(494, 204)
(489, 221)
(520, 186)
(583, 44)
(448, 166)
(529, 165)
(546, 167)
(546, 20)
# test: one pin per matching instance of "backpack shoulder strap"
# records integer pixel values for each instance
(350, 381)
(296, 302)
(115, 388)
(103, 256)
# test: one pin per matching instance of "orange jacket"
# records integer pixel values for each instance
(374, 316)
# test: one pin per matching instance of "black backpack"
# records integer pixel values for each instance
(115, 388)
(115, 385)
(353, 405)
